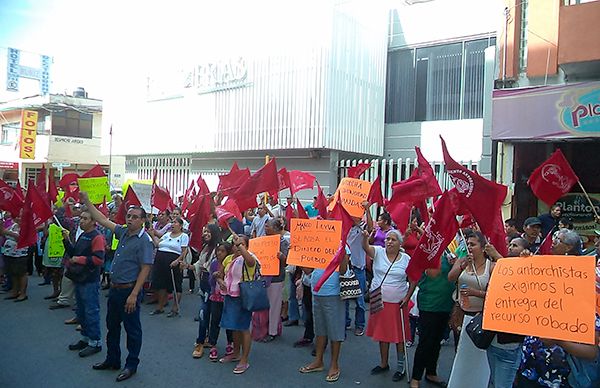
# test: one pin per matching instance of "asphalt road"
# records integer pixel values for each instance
(34, 340)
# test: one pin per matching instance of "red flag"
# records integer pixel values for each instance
(423, 211)
(358, 170)
(227, 211)
(322, 203)
(131, 199)
(338, 213)
(482, 197)
(284, 179)
(159, 197)
(375, 195)
(553, 178)
(263, 180)
(188, 197)
(497, 236)
(289, 214)
(35, 212)
(300, 180)
(426, 172)
(9, 199)
(301, 212)
(230, 182)
(202, 186)
(52, 190)
(95, 172)
(19, 191)
(198, 220)
(40, 181)
(546, 246)
(103, 208)
(439, 232)
(400, 213)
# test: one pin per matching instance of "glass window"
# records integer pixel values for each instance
(443, 82)
(72, 123)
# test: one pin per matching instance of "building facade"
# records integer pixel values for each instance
(548, 97)
(316, 100)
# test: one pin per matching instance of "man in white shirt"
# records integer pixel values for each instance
(259, 221)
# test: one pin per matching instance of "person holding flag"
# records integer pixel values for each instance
(15, 261)
(131, 265)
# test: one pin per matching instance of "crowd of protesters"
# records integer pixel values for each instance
(153, 256)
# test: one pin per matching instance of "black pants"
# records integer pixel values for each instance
(309, 332)
(431, 332)
(216, 310)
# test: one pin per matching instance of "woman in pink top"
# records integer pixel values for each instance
(234, 317)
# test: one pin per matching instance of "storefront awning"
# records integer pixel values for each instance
(547, 112)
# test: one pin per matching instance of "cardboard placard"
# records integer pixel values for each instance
(56, 248)
(266, 249)
(352, 193)
(313, 243)
(115, 243)
(98, 189)
(545, 296)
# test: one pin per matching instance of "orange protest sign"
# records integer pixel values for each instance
(352, 193)
(544, 296)
(266, 249)
(313, 243)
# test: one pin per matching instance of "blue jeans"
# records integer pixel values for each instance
(87, 296)
(203, 316)
(293, 307)
(116, 314)
(504, 364)
(359, 315)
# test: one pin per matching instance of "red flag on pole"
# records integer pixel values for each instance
(230, 182)
(9, 199)
(159, 197)
(439, 232)
(263, 180)
(300, 180)
(375, 195)
(40, 181)
(284, 179)
(103, 208)
(482, 197)
(553, 178)
(301, 212)
(338, 213)
(227, 211)
(322, 203)
(131, 199)
(202, 186)
(546, 246)
(358, 170)
(95, 172)
(52, 190)
(35, 212)
(400, 213)
(289, 214)
(198, 220)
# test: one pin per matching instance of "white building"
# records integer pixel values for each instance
(309, 102)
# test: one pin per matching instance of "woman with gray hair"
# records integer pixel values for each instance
(390, 324)
(566, 242)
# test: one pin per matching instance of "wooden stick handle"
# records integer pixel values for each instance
(589, 200)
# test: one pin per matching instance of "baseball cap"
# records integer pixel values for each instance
(532, 221)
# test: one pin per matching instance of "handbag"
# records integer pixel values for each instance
(457, 316)
(481, 338)
(80, 273)
(375, 297)
(349, 286)
(254, 292)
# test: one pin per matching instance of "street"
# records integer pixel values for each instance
(34, 340)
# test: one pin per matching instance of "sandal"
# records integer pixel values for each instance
(229, 358)
(229, 349)
(172, 314)
(333, 378)
(311, 369)
(268, 338)
(241, 368)
(213, 355)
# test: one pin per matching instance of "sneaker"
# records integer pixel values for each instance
(229, 349)
(398, 376)
(89, 350)
(213, 355)
(409, 344)
(198, 351)
(79, 345)
(55, 306)
(359, 331)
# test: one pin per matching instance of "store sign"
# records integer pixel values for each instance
(15, 71)
(547, 112)
(576, 207)
(29, 120)
(202, 78)
(8, 165)
(584, 114)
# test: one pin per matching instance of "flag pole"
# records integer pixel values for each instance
(110, 156)
(587, 196)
